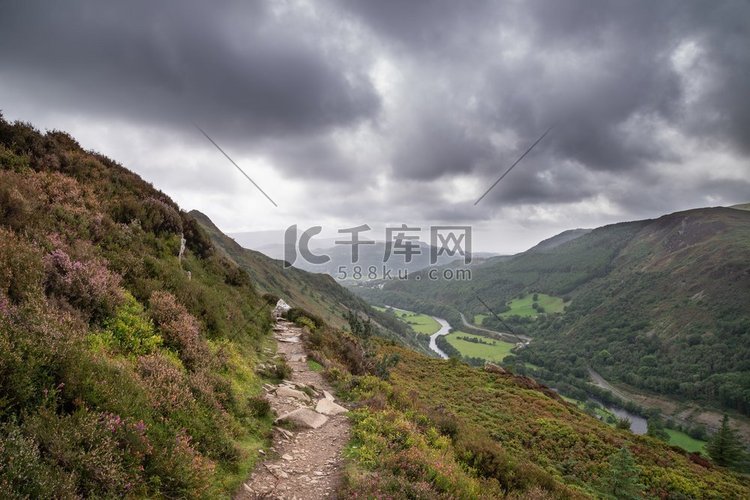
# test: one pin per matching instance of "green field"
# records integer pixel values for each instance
(496, 352)
(686, 442)
(478, 318)
(525, 305)
(420, 323)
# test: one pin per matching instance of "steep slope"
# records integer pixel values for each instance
(317, 293)
(126, 366)
(665, 303)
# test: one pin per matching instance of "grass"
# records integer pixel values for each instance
(524, 307)
(420, 323)
(314, 365)
(496, 352)
(686, 442)
(478, 318)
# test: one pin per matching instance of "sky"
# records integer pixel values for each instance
(350, 112)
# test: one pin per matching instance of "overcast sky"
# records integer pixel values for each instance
(388, 112)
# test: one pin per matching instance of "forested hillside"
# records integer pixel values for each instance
(126, 365)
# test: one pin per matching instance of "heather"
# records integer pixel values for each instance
(429, 428)
(125, 369)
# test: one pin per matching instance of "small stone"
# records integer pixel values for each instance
(287, 457)
(328, 396)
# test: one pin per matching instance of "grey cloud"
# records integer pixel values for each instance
(435, 146)
(240, 70)
(600, 71)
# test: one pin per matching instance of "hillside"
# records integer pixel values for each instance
(427, 428)
(662, 303)
(125, 370)
(318, 293)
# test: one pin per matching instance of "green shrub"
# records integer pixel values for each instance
(179, 329)
(311, 320)
(277, 369)
(23, 471)
(271, 299)
(21, 270)
(84, 447)
(132, 329)
(259, 406)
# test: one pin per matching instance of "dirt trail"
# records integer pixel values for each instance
(304, 462)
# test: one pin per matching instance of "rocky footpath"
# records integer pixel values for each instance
(309, 434)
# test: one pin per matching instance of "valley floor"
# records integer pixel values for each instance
(680, 412)
(305, 460)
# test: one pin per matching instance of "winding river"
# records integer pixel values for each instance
(638, 424)
(445, 329)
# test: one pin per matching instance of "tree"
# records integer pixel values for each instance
(725, 447)
(656, 428)
(623, 423)
(621, 481)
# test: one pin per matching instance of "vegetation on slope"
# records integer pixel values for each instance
(531, 305)
(427, 428)
(124, 370)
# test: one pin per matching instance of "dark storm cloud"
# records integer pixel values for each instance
(342, 93)
(240, 69)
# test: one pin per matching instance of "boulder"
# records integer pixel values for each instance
(328, 407)
(493, 368)
(328, 396)
(281, 308)
(304, 417)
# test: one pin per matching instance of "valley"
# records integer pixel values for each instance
(626, 302)
(141, 356)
